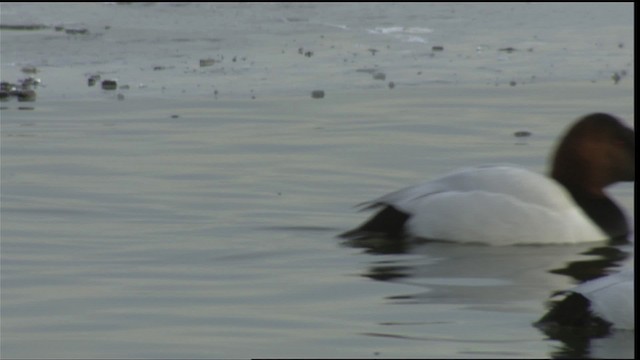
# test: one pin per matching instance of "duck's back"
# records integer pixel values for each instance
(498, 205)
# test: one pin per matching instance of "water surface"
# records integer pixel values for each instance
(197, 218)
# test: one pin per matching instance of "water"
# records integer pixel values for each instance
(198, 216)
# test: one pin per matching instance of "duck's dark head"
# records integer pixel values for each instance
(597, 151)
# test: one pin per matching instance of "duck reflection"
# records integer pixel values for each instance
(490, 277)
(600, 309)
(593, 261)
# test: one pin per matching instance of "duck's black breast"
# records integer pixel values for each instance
(605, 213)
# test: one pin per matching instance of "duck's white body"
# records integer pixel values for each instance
(506, 205)
(612, 298)
(497, 205)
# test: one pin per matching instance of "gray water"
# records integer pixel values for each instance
(196, 216)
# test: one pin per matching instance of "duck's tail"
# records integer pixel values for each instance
(389, 222)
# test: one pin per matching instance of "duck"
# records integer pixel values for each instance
(511, 205)
(596, 306)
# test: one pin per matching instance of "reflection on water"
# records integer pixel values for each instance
(463, 272)
(608, 257)
(579, 347)
(578, 342)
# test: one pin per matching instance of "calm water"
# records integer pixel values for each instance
(197, 218)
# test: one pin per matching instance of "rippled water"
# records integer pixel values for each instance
(198, 216)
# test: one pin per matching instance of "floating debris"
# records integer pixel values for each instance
(23, 27)
(513, 83)
(79, 31)
(207, 62)
(317, 94)
(379, 76)
(7, 86)
(616, 78)
(22, 91)
(120, 96)
(437, 48)
(508, 49)
(30, 82)
(29, 69)
(25, 95)
(308, 53)
(91, 81)
(373, 51)
(618, 75)
(391, 85)
(5, 90)
(109, 84)
(522, 133)
(522, 136)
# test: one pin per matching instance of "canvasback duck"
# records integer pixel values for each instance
(596, 306)
(506, 205)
